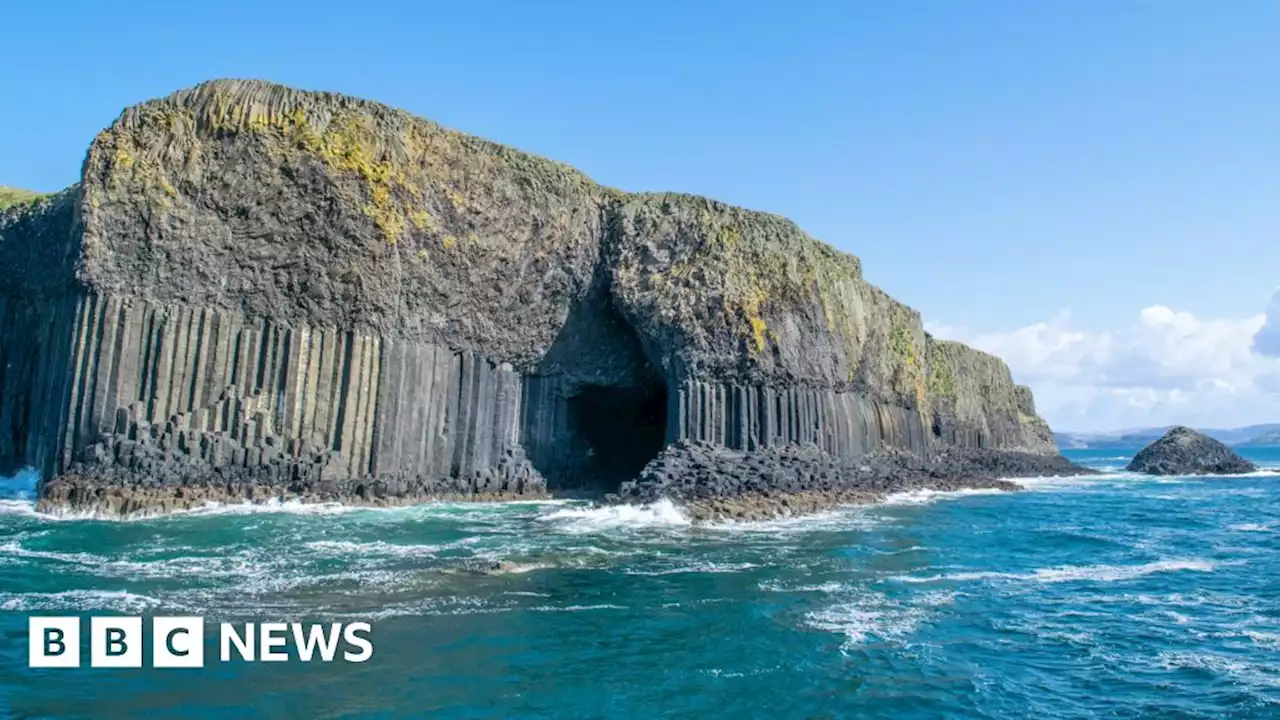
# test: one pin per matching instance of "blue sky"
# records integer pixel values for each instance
(1048, 170)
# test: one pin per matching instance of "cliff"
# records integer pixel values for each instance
(252, 282)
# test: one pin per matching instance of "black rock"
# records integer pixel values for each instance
(1183, 451)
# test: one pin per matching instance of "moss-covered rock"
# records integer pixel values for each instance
(335, 253)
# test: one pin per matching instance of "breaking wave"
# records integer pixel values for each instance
(581, 520)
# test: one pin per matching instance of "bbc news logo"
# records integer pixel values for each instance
(178, 642)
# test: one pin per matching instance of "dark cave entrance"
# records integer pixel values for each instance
(618, 430)
(595, 407)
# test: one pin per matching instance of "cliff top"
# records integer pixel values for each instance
(339, 211)
(10, 196)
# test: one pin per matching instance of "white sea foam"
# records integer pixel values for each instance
(828, 587)
(1251, 527)
(432, 606)
(1114, 573)
(1260, 472)
(27, 507)
(1073, 573)
(924, 497)
(271, 506)
(852, 517)
(1054, 482)
(15, 549)
(869, 617)
(577, 608)
(239, 564)
(18, 507)
(1246, 673)
(377, 547)
(1263, 639)
(77, 600)
(699, 567)
(581, 520)
(274, 505)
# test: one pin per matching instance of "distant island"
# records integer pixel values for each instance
(1183, 451)
(1265, 434)
(1266, 439)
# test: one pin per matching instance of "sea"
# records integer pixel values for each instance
(1116, 596)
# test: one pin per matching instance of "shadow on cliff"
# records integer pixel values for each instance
(38, 304)
(595, 407)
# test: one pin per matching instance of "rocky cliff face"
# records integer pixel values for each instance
(254, 283)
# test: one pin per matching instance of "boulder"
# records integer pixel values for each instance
(1183, 451)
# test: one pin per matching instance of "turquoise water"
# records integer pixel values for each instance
(1121, 596)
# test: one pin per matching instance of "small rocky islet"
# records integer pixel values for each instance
(261, 293)
(1183, 451)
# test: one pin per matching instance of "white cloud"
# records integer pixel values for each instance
(1267, 341)
(1167, 367)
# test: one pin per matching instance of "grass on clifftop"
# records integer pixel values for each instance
(10, 196)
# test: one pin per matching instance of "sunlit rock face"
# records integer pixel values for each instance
(257, 290)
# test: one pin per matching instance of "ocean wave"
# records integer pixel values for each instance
(27, 508)
(852, 517)
(1072, 573)
(1055, 482)
(1251, 527)
(869, 616)
(700, 567)
(1246, 673)
(582, 520)
(291, 507)
(1259, 473)
(78, 600)
(427, 607)
(339, 548)
(274, 506)
(925, 497)
(242, 573)
(14, 548)
(1267, 640)
(1262, 472)
(826, 587)
(577, 608)
(18, 506)
(220, 565)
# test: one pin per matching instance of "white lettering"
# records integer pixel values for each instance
(316, 637)
(269, 639)
(350, 634)
(244, 645)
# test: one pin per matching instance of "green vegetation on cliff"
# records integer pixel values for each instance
(319, 209)
(10, 196)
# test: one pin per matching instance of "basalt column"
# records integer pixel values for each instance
(178, 392)
(749, 417)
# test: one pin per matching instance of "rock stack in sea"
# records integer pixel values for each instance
(1183, 451)
(256, 291)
